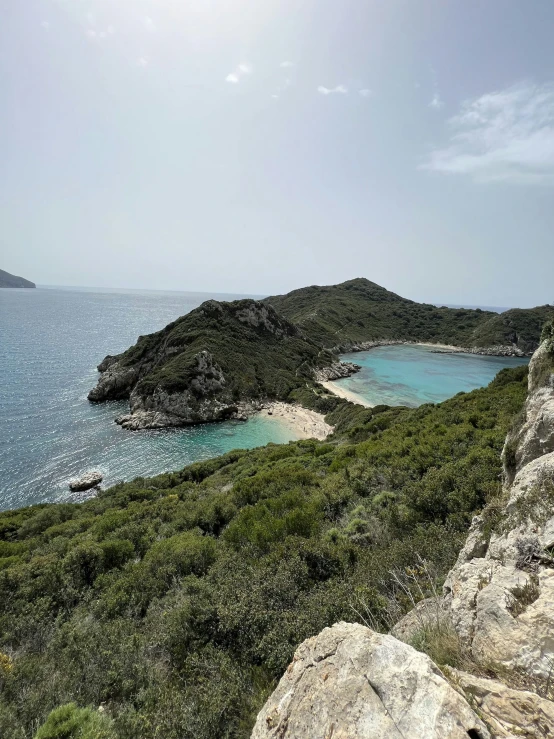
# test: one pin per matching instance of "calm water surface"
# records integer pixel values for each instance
(412, 375)
(50, 343)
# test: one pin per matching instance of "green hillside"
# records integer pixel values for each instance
(176, 602)
(359, 310)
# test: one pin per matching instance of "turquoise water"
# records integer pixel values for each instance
(412, 375)
(50, 343)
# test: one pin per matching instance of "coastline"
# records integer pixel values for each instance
(341, 392)
(306, 424)
(489, 351)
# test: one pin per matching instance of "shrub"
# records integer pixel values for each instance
(71, 722)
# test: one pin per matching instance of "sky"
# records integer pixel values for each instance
(256, 147)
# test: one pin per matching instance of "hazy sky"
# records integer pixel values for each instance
(258, 146)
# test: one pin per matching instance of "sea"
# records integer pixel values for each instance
(414, 374)
(51, 340)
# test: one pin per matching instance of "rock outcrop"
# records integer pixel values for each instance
(214, 363)
(501, 591)
(507, 712)
(86, 481)
(352, 683)
(335, 371)
(533, 436)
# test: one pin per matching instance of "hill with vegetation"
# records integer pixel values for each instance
(8, 280)
(222, 359)
(357, 311)
(208, 363)
(168, 607)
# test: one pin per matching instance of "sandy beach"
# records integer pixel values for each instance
(305, 423)
(336, 389)
(443, 347)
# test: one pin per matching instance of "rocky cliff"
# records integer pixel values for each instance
(213, 363)
(497, 606)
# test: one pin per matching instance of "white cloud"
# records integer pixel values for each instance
(111, 30)
(502, 136)
(90, 33)
(241, 70)
(436, 102)
(340, 89)
(45, 25)
(90, 19)
(142, 61)
(275, 97)
(365, 93)
(148, 23)
(285, 65)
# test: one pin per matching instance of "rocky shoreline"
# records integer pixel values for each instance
(505, 350)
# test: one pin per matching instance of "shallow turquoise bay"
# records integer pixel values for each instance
(413, 375)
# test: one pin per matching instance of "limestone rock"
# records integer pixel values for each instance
(335, 371)
(507, 712)
(85, 482)
(502, 603)
(533, 435)
(352, 683)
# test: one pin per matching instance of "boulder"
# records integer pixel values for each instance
(349, 682)
(86, 481)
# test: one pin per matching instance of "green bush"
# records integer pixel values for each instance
(70, 722)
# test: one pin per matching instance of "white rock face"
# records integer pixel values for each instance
(534, 435)
(352, 683)
(501, 592)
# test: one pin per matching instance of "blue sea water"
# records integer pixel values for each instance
(413, 375)
(50, 343)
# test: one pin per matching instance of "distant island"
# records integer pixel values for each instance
(8, 280)
(224, 359)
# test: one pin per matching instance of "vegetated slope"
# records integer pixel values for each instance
(8, 280)
(177, 601)
(516, 326)
(359, 310)
(199, 367)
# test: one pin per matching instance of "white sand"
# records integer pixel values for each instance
(442, 347)
(336, 389)
(305, 424)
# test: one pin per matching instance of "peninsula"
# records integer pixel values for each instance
(8, 280)
(225, 360)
